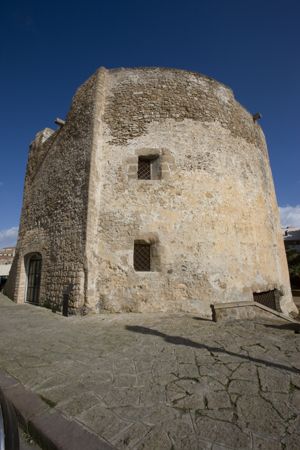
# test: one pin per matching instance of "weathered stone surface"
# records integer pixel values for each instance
(273, 380)
(210, 214)
(153, 95)
(130, 437)
(260, 443)
(54, 212)
(240, 386)
(218, 400)
(222, 433)
(251, 410)
(296, 400)
(106, 381)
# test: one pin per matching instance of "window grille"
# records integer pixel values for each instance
(144, 169)
(142, 257)
(267, 298)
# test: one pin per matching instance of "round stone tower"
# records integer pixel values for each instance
(155, 195)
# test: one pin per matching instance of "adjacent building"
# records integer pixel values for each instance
(6, 258)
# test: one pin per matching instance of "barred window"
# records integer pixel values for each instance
(149, 167)
(144, 169)
(142, 257)
(268, 298)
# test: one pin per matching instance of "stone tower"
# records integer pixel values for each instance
(155, 195)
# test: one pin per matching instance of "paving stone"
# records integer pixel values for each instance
(134, 414)
(174, 392)
(143, 366)
(190, 402)
(98, 387)
(246, 371)
(152, 395)
(259, 416)
(181, 433)
(260, 443)
(130, 437)
(243, 387)
(122, 396)
(188, 370)
(162, 414)
(218, 400)
(281, 403)
(125, 380)
(145, 379)
(295, 381)
(56, 394)
(103, 421)
(164, 367)
(77, 404)
(293, 357)
(221, 447)
(155, 439)
(222, 433)
(225, 415)
(185, 356)
(216, 370)
(296, 400)
(126, 366)
(293, 427)
(291, 442)
(203, 356)
(273, 380)
(159, 391)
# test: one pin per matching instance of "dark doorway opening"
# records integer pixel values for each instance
(34, 278)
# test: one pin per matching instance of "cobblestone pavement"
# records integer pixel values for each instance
(154, 381)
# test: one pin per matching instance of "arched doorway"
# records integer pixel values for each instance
(34, 266)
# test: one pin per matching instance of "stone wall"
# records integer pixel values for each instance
(213, 212)
(53, 220)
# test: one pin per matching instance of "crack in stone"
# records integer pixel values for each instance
(274, 407)
(285, 435)
(171, 441)
(205, 413)
(259, 380)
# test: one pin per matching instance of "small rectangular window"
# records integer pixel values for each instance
(144, 169)
(142, 257)
(149, 168)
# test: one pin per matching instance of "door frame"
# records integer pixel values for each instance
(31, 258)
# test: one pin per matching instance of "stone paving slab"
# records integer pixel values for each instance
(157, 381)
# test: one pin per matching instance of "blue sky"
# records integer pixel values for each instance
(48, 49)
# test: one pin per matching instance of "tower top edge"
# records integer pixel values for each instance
(160, 69)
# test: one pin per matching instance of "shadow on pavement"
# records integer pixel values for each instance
(285, 326)
(178, 340)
